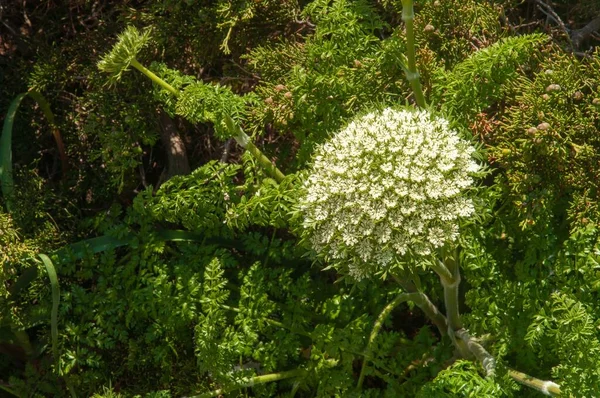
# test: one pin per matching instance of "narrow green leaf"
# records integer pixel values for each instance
(76, 251)
(6, 174)
(55, 302)
(9, 390)
(44, 105)
(96, 245)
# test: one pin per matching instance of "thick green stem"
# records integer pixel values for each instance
(264, 162)
(546, 387)
(154, 78)
(255, 380)
(466, 344)
(442, 271)
(450, 286)
(432, 312)
(451, 295)
(487, 360)
(412, 75)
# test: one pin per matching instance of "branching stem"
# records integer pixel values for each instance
(419, 299)
(487, 360)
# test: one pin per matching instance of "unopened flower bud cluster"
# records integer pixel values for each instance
(388, 184)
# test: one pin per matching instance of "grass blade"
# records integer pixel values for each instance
(6, 174)
(55, 302)
(78, 250)
(45, 106)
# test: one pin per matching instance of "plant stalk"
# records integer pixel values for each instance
(451, 302)
(420, 300)
(546, 387)
(487, 360)
(467, 345)
(238, 134)
(451, 295)
(401, 298)
(154, 78)
(412, 75)
(255, 380)
(244, 141)
(432, 312)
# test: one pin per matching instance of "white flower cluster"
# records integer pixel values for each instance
(388, 184)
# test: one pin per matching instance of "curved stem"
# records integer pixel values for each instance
(430, 310)
(412, 75)
(420, 300)
(377, 327)
(442, 271)
(487, 360)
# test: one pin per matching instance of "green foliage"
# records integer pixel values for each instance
(271, 205)
(566, 322)
(123, 53)
(481, 80)
(549, 134)
(461, 380)
(236, 17)
(453, 30)
(6, 166)
(311, 88)
(118, 135)
(198, 202)
(200, 286)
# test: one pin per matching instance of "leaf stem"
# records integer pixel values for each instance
(249, 382)
(401, 298)
(244, 141)
(154, 78)
(238, 134)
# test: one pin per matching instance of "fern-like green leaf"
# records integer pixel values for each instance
(123, 53)
(479, 81)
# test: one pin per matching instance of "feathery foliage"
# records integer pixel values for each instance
(205, 285)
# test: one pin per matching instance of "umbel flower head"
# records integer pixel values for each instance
(388, 185)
